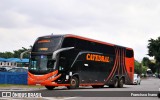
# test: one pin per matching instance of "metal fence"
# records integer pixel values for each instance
(13, 78)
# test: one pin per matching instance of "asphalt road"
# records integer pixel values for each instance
(150, 85)
(147, 86)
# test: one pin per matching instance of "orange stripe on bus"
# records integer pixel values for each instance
(117, 63)
(113, 66)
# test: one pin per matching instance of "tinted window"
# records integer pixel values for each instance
(84, 45)
(105, 49)
(47, 44)
(68, 42)
(129, 53)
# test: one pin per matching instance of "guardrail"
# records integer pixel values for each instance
(13, 77)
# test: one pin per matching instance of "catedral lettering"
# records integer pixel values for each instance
(94, 57)
(70, 60)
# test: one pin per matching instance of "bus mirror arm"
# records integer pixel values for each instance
(21, 55)
(60, 50)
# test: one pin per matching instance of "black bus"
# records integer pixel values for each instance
(73, 61)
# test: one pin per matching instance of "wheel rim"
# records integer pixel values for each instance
(121, 82)
(116, 83)
(73, 82)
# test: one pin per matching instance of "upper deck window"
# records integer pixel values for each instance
(47, 44)
(87, 45)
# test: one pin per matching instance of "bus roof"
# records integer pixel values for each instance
(88, 39)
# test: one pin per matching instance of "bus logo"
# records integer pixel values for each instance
(95, 57)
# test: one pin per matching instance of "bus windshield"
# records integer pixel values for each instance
(41, 64)
(41, 57)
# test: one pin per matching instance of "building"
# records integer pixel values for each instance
(14, 62)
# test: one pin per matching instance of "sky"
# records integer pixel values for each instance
(129, 23)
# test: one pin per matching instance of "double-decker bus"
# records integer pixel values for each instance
(73, 61)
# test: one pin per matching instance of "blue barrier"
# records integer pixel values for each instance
(13, 77)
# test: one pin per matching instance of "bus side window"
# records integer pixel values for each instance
(81, 44)
(69, 42)
(129, 53)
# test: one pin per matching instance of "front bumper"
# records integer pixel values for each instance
(45, 80)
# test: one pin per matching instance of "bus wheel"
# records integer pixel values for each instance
(115, 85)
(120, 83)
(50, 87)
(74, 83)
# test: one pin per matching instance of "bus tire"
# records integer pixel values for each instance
(115, 85)
(120, 83)
(74, 83)
(50, 87)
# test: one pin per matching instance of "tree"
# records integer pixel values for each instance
(137, 67)
(15, 54)
(146, 61)
(19, 51)
(154, 51)
(6, 54)
(152, 66)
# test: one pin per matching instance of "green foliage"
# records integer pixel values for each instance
(146, 61)
(137, 67)
(6, 54)
(152, 66)
(154, 50)
(18, 52)
(15, 54)
(144, 69)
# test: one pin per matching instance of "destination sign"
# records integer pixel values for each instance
(44, 41)
(43, 49)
